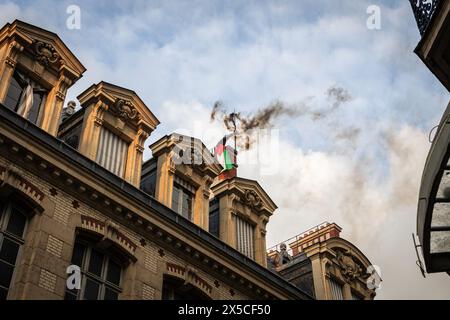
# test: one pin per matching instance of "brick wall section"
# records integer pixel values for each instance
(151, 257)
(54, 246)
(148, 292)
(141, 280)
(47, 280)
(62, 217)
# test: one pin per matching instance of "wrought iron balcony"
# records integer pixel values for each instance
(423, 12)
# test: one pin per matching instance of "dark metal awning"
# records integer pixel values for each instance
(433, 214)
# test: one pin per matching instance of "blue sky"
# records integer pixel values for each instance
(182, 56)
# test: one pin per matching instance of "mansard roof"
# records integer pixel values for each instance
(111, 182)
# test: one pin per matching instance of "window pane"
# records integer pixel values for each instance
(3, 294)
(336, 290)
(214, 217)
(34, 112)
(112, 152)
(148, 184)
(175, 199)
(77, 255)
(186, 208)
(96, 263)
(245, 237)
(6, 272)
(16, 223)
(91, 290)
(111, 294)
(70, 296)
(9, 251)
(113, 273)
(13, 95)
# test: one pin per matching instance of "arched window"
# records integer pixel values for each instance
(13, 222)
(101, 272)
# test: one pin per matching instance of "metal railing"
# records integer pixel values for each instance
(423, 12)
(297, 237)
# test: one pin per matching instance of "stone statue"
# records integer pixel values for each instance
(283, 256)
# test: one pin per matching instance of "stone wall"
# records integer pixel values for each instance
(41, 266)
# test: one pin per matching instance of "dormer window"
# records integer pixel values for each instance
(182, 201)
(245, 237)
(183, 198)
(112, 152)
(25, 97)
(336, 290)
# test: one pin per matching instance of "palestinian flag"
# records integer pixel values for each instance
(225, 154)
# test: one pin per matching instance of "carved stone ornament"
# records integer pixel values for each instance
(349, 268)
(124, 110)
(252, 199)
(45, 53)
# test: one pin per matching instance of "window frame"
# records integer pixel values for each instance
(37, 89)
(238, 235)
(7, 209)
(102, 281)
(334, 281)
(181, 192)
(103, 159)
(214, 217)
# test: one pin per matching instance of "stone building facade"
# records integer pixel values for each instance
(324, 265)
(75, 193)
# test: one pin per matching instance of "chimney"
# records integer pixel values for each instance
(318, 234)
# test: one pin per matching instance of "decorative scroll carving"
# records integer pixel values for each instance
(14, 49)
(124, 110)
(252, 199)
(350, 269)
(171, 167)
(45, 53)
(63, 84)
(99, 110)
(141, 136)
